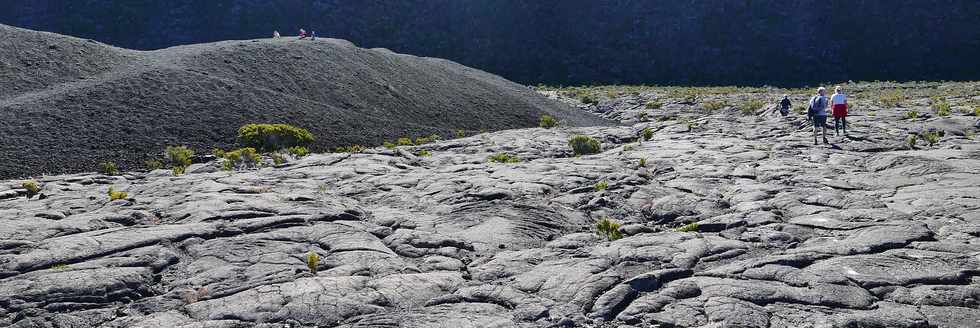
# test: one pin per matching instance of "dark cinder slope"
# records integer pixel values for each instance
(68, 103)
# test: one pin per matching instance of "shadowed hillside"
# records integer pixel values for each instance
(68, 104)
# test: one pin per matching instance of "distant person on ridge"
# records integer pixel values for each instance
(818, 111)
(839, 106)
(302, 34)
(313, 35)
(784, 105)
(275, 34)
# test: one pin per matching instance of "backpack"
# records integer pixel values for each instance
(816, 101)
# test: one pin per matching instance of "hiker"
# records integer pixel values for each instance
(302, 34)
(313, 35)
(818, 113)
(275, 34)
(784, 105)
(838, 103)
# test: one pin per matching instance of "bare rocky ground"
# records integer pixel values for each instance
(864, 232)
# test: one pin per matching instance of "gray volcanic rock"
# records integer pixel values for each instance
(67, 104)
(788, 235)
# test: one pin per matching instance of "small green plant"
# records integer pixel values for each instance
(32, 188)
(241, 158)
(647, 134)
(405, 142)
(969, 134)
(872, 113)
(298, 151)
(942, 108)
(628, 148)
(911, 140)
(460, 134)
(353, 149)
(218, 152)
(153, 164)
(689, 124)
(389, 145)
(503, 158)
(272, 137)
(602, 185)
(750, 107)
(693, 227)
(609, 229)
(911, 115)
(644, 117)
(108, 168)
(424, 153)
(891, 99)
(588, 99)
(277, 158)
(931, 137)
(179, 158)
(654, 105)
(713, 105)
(643, 162)
(976, 111)
(117, 195)
(60, 266)
(547, 122)
(584, 145)
(312, 261)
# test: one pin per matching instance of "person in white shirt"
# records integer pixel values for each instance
(839, 105)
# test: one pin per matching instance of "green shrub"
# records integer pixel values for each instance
(405, 142)
(241, 158)
(647, 134)
(932, 137)
(424, 153)
(353, 149)
(272, 137)
(911, 115)
(547, 122)
(108, 168)
(609, 229)
(584, 145)
(891, 99)
(298, 151)
(976, 111)
(179, 158)
(312, 261)
(32, 188)
(503, 158)
(713, 105)
(693, 227)
(911, 141)
(117, 195)
(389, 145)
(602, 185)
(654, 105)
(277, 158)
(60, 266)
(460, 134)
(153, 164)
(218, 152)
(588, 99)
(643, 162)
(942, 108)
(750, 107)
(644, 117)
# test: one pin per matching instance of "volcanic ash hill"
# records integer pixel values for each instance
(67, 104)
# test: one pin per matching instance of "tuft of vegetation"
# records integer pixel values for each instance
(298, 151)
(588, 99)
(609, 229)
(460, 134)
(644, 117)
(584, 145)
(60, 266)
(602, 185)
(969, 135)
(628, 148)
(312, 261)
(32, 188)
(277, 158)
(153, 164)
(272, 137)
(713, 105)
(912, 140)
(647, 134)
(503, 158)
(942, 108)
(547, 122)
(117, 195)
(751, 106)
(931, 137)
(108, 168)
(218, 152)
(179, 158)
(424, 153)
(241, 158)
(689, 123)
(425, 140)
(693, 227)
(404, 141)
(643, 162)
(353, 149)
(654, 105)
(891, 99)
(911, 115)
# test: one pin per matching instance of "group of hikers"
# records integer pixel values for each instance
(302, 34)
(817, 111)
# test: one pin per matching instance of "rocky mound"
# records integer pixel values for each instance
(68, 104)
(864, 232)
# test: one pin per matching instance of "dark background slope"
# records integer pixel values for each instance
(575, 41)
(112, 104)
